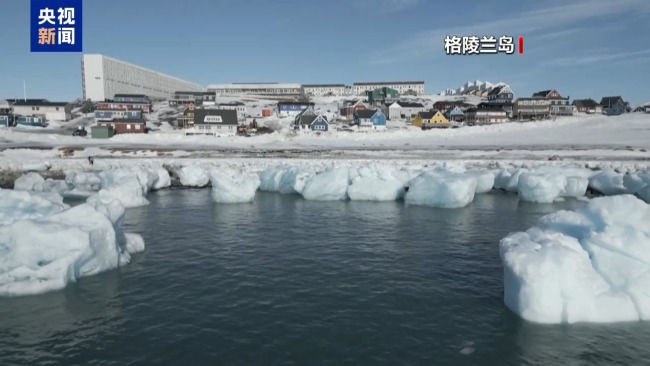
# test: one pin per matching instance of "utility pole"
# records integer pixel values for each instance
(24, 90)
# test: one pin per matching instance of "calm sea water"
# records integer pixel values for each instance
(283, 281)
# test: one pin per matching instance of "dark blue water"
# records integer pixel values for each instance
(283, 281)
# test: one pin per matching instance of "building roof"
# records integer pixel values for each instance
(37, 103)
(309, 119)
(408, 104)
(297, 103)
(231, 104)
(610, 100)
(388, 83)
(123, 102)
(323, 85)
(130, 96)
(117, 109)
(125, 120)
(496, 90)
(427, 114)
(365, 113)
(542, 94)
(587, 103)
(531, 98)
(228, 116)
(193, 92)
(254, 86)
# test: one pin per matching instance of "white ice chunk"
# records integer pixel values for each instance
(441, 189)
(331, 185)
(376, 183)
(232, 186)
(508, 180)
(592, 265)
(46, 253)
(608, 182)
(19, 205)
(193, 176)
(548, 187)
(29, 182)
(484, 180)
(83, 184)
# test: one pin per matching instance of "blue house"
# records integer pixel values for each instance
(455, 114)
(6, 120)
(111, 114)
(370, 119)
(613, 106)
(317, 123)
(293, 108)
(30, 121)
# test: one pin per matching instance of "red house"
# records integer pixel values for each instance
(126, 125)
(350, 106)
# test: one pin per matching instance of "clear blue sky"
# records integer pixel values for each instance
(587, 48)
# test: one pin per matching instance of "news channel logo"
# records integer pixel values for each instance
(56, 26)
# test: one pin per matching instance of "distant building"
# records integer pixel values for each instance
(286, 109)
(239, 107)
(5, 107)
(125, 125)
(264, 89)
(48, 111)
(444, 105)
(220, 122)
(111, 114)
(455, 114)
(103, 77)
(416, 87)
(532, 108)
(320, 90)
(501, 97)
(6, 119)
(559, 106)
(402, 110)
(588, 106)
(370, 120)
(381, 95)
(131, 98)
(429, 118)
(192, 97)
(485, 113)
(308, 120)
(350, 106)
(613, 106)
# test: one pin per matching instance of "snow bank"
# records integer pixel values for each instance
(233, 186)
(592, 265)
(331, 185)
(193, 176)
(376, 183)
(442, 189)
(45, 246)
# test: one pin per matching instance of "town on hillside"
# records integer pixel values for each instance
(111, 105)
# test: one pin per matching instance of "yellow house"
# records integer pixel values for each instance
(429, 117)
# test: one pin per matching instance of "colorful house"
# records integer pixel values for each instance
(317, 123)
(559, 106)
(286, 109)
(613, 106)
(455, 114)
(588, 106)
(111, 114)
(382, 95)
(370, 119)
(350, 106)
(429, 117)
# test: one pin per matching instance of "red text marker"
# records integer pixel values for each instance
(521, 44)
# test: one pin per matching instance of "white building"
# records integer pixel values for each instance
(234, 106)
(256, 89)
(403, 110)
(49, 111)
(103, 77)
(402, 87)
(320, 90)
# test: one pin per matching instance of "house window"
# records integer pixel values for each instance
(137, 127)
(57, 109)
(128, 126)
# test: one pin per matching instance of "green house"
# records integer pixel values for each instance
(382, 95)
(101, 132)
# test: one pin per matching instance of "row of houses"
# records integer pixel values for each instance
(315, 90)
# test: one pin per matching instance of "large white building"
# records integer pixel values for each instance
(402, 87)
(103, 77)
(272, 89)
(319, 90)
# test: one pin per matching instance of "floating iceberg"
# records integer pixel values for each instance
(230, 186)
(376, 183)
(548, 187)
(82, 184)
(609, 183)
(508, 180)
(45, 246)
(20, 205)
(29, 182)
(591, 265)
(193, 176)
(484, 180)
(442, 189)
(285, 179)
(331, 185)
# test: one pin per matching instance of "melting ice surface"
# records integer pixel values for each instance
(591, 265)
(45, 244)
